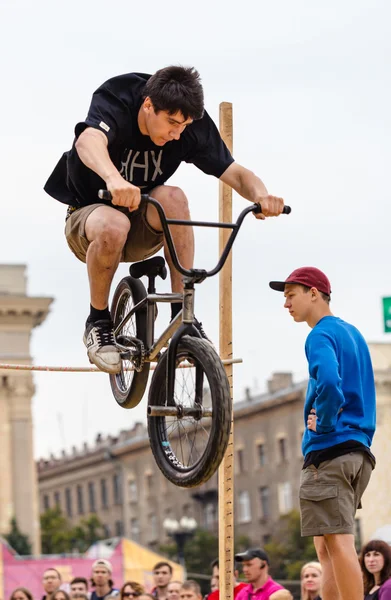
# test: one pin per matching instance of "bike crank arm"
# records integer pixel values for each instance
(179, 411)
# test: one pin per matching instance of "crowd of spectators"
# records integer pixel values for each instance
(374, 559)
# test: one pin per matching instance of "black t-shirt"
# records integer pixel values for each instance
(318, 456)
(114, 110)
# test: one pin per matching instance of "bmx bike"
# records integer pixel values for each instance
(189, 402)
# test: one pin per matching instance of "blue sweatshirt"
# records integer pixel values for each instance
(341, 387)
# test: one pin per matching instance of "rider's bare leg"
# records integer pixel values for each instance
(106, 229)
(175, 206)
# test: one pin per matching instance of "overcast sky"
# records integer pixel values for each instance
(310, 87)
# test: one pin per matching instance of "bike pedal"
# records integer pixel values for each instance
(125, 355)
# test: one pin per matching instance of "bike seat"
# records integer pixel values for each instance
(153, 267)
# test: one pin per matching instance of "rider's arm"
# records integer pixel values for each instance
(244, 182)
(248, 185)
(91, 146)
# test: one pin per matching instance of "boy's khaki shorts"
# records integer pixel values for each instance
(143, 241)
(331, 494)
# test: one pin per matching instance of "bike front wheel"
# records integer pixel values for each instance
(189, 443)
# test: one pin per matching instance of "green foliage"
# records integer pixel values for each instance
(86, 533)
(59, 537)
(17, 540)
(288, 551)
(55, 532)
(200, 550)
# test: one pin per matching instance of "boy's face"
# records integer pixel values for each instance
(299, 302)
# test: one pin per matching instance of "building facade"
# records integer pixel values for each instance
(19, 314)
(118, 480)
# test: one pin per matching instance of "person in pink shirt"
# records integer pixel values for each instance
(255, 564)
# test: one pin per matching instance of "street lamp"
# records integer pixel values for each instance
(180, 531)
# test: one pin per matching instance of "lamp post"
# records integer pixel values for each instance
(180, 531)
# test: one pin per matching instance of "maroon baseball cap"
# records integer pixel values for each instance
(308, 276)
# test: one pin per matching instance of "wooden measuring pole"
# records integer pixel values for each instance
(226, 472)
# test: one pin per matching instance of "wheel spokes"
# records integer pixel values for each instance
(187, 436)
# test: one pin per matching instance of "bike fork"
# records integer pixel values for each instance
(187, 328)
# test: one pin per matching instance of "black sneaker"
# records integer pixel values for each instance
(198, 325)
(101, 349)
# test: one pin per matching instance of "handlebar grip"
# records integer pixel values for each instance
(106, 195)
(258, 209)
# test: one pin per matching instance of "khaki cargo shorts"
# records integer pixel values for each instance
(331, 494)
(143, 241)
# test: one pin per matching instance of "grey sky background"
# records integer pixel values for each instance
(310, 87)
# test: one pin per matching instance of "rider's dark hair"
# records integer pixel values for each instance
(176, 89)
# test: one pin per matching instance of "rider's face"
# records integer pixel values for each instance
(163, 127)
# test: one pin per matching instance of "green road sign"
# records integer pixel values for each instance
(387, 314)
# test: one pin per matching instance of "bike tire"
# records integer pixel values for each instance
(128, 387)
(204, 356)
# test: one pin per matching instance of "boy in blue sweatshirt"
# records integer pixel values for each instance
(340, 419)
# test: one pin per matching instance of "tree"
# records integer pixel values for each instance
(55, 532)
(17, 540)
(288, 551)
(86, 533)
(200, 551)
(58, 536)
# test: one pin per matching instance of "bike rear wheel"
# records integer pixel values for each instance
(189, 447)
(128, 386)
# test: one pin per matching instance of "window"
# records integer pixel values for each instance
(133, 490)
(119, 530)
(80, 500)
(91, 496)
(267, 538)
(106, 531)
(264, 499)
(282, 449)
(285, 497)
(68, 502)
(46, 502)
(57, 498)
(261, 452)
(116, 488)
(103, 493)
(134, 530)
(244, 507)
(240, 460)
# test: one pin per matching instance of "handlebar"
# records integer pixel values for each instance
(257, 208)
(195, 275)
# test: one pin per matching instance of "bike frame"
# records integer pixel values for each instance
(183, 324)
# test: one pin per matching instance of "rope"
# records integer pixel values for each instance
(14, 367)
